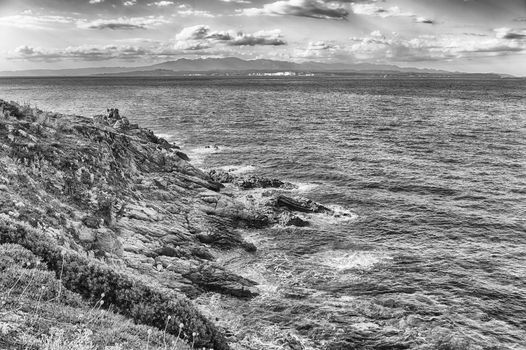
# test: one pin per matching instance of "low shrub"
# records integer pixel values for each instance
(129, 296)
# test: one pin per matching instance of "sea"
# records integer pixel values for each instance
(433, 171)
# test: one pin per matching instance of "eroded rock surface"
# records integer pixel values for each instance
(112, 190)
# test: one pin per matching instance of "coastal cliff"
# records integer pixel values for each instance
(123, 221)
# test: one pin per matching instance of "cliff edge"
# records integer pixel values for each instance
(114, 211)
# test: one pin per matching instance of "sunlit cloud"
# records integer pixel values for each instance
(29, 21)
(123, 23)
(201, 36)
(301, 8)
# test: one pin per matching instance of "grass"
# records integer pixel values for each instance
(29, 288)
(34, 316)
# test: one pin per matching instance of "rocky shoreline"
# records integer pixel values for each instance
(115, 193)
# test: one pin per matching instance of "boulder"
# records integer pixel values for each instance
(288, 219)
(216, 279)
(300, 204)
(107, 242)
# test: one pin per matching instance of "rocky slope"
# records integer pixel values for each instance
(111, 192)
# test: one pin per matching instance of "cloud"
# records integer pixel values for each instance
(201, 36)
(273, 38)
(237, 1)
(129, 3)
(378, 47)
(123, 23)
(424, 20)
(41, 22)
(186, 11)
(302, 8)
(193, 33)
(163, 3)
(93, 53)
(116, 26)
(96, 1)
(511, 34)
(372, 9)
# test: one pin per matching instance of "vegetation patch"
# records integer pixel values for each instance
(103, 287)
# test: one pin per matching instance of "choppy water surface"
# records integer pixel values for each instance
(434, 170)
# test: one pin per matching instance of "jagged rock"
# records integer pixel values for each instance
(253, 181)
(216, 279)
(247, 182)
(300, 204)
(122, 124)
(93, 221)
(108, 242)
(222, 176)
(288, 219)
(139, 199)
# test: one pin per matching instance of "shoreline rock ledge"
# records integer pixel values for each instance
(106, 190)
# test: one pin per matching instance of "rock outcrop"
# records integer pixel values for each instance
(118, 194)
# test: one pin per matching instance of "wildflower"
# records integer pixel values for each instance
(102, 295)
(181, 325)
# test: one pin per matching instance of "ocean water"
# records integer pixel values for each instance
(433, 169)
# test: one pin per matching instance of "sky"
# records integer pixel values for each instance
(456, 35)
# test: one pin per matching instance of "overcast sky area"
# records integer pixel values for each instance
(457, 35)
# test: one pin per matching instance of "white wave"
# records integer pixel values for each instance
(238, 169)
(304, 186)
(167, 137)
(210, 149)
(341, 260)
(197, 155)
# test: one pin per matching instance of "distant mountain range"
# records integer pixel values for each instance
(223, 66)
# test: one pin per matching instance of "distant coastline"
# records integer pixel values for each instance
(237, 67)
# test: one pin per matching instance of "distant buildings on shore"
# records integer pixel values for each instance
(254, 74)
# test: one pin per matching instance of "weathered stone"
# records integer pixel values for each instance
(300, 204)
(288, 219)
(93, 221)
(247, 182)
(141, 201)
(108, 242)
(87, 235)
(216, 279)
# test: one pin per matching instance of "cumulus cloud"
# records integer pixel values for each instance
(381, 47)
(372, 9)
(129, 2)
(186, 11)
(193, 33)
(424, 20)
(96, 1)
(163, 3)
(302, 8)
(123, 23)
(202, 36)
(509, 33)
